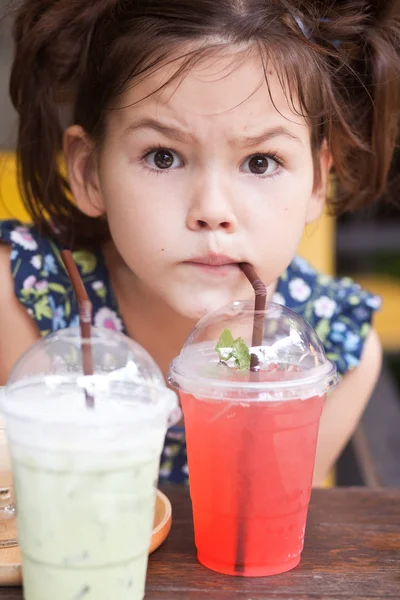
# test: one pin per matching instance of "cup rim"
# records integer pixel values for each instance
(165, 396)
(324, 377)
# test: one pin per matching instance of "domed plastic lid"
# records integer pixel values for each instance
(121, 368)
(215, 360)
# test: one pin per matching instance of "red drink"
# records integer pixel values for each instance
(252, 409)
(250, 468)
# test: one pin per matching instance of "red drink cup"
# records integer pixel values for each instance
(251, 439)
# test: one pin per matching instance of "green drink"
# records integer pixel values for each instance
(85, 480)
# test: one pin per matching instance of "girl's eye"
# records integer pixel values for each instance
(260, 164)
(163, 159)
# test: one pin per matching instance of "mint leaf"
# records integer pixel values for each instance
(225, 345)
(228, 348)
(241, 354)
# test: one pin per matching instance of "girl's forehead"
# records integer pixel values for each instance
(231, 88)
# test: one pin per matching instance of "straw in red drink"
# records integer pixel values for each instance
(259, 307)
(257, 340)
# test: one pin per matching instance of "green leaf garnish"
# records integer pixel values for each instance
(228, 348)
(241, 354)
(225, 345)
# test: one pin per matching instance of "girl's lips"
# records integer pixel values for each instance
(214, 260)
(217, 270)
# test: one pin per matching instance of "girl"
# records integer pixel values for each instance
(196, 135)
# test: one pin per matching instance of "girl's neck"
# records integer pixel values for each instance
(147, 319)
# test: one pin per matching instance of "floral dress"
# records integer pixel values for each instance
(338, 309)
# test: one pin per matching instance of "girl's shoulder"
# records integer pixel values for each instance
(338, 309)
(41, 283)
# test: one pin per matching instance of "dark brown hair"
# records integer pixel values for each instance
(340, 60)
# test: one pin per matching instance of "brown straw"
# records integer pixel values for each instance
(245, 451)
(259, 307)
(85, 317)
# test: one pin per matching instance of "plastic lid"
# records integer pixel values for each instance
(292, 361)
(121, 368)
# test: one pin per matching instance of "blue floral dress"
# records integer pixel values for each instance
(338, 309)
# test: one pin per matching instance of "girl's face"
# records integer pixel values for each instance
(213, 170)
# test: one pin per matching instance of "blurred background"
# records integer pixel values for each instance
(365, 246)
(7, 116)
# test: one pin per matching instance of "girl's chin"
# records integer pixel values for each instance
(199, 307)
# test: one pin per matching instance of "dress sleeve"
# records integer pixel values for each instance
(339, 310)
(343, 315)
(42, 285)
(35, 270)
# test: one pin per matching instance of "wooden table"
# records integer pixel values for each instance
(352, 550)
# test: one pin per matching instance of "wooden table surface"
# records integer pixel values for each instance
(352, 550)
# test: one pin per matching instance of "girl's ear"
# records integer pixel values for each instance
(318, 197)
(82, 171)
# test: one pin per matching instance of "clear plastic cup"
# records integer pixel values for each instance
(251, 437)
(85, 478)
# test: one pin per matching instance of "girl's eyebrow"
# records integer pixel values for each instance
(185, 137)
(166, 130)
(268, 134)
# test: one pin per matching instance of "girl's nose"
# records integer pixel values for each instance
(211, 210)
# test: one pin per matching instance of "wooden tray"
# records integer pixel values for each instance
(162, 521)
(10, 558)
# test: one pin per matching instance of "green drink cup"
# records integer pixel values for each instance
(85, 478)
